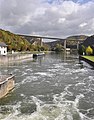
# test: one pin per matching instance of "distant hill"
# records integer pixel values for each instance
(87, 46)
(77, 37)
(71, 41)
(89, 41)
(54, 43)
(14, 42)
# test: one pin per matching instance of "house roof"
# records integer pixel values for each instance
(2, 44)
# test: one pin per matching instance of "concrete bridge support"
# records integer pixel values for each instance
(77, 45)
(41, 41)
(65, 44)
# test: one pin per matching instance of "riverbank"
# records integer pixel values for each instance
(91, 58)
(88, 59)
(15, 57)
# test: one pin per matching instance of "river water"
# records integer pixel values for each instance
(52, 87)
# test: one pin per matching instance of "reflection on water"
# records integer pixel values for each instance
(52, 87)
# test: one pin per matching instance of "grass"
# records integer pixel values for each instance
(91, 58)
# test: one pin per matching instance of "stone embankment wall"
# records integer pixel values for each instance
(6, 86)
(14, 58)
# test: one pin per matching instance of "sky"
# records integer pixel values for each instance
(58, 18)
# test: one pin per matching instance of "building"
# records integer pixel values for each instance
(3, 48)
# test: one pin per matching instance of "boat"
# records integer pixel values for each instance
(6, 84)
(38, 54)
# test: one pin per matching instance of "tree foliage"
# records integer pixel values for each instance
(82, 50)
(19, 43)
(58, 47)
(14, 42)
(85, 50)
(89, 50)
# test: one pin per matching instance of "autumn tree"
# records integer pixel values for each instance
(89, 50)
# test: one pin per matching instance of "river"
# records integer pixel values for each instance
(52, 87)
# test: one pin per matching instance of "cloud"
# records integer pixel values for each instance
(82, 25)
(44, 17)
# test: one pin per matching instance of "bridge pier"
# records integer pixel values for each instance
(41, 43)
(65, 45)
(77, 45)
(65, 42)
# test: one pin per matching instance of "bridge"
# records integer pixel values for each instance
(43, 37)
(30, 37)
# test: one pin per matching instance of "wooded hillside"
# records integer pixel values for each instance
(14, 42)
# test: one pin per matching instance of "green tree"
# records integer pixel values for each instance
(82, 49)
(45, 48)
(58, 47)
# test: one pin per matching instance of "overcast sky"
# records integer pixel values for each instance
(60, 18)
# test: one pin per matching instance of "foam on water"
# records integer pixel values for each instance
(68, 92)
(60, 109)
(80, 84)
(29, 70)
(91, 77)
(41, 73)
(24, 73)
(53, 70)
(44, 74)
(27, 79)
(12, 112)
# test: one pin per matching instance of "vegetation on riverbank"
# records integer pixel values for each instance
(14, 42)
(19, 43)
(91, 58)
(87, 47)
(86, 50)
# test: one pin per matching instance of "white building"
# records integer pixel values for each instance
(3, 48)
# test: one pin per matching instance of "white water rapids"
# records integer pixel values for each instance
(50, 89)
